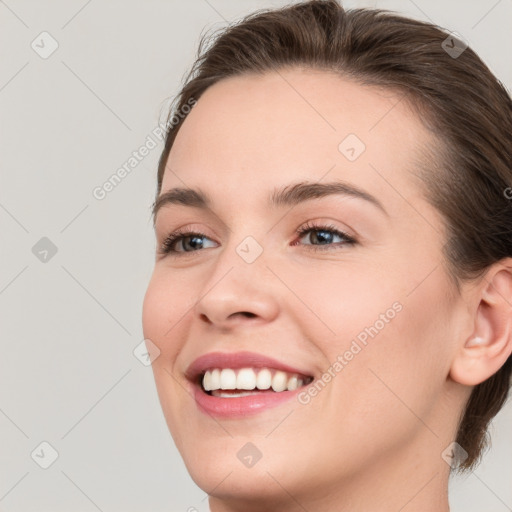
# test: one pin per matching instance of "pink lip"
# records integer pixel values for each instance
(238, 406)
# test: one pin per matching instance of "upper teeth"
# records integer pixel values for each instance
(249, 378)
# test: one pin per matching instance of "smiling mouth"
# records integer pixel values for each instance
(231, 383)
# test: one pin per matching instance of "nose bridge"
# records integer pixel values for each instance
(244, 246)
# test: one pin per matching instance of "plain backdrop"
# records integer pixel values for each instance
(82, 85)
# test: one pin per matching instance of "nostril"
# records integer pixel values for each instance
(204, 318)
(247, 314)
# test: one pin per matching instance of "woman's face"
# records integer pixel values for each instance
(374, 322)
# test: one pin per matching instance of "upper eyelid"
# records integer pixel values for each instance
(310, 224)
(315, 219)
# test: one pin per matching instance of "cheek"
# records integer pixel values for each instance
(166, 302)
(393, 345)
(401, 373)
(339, 301)
(155, 308)
(161, 312)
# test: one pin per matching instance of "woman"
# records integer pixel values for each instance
(332, 288)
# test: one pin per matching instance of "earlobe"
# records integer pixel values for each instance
(488, 347)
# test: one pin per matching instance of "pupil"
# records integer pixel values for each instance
(324, 236)
(193, 241)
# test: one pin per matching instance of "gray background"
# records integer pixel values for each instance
(71, 322)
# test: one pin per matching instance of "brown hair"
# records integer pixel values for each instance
(457, 96)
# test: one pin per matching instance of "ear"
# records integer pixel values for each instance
(489, 346)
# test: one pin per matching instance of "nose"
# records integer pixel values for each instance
(242, 294)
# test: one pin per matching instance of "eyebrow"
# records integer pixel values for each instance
(290, 195)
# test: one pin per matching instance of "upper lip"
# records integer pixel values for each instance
(236, 360)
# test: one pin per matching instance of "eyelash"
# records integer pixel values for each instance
(180, 234)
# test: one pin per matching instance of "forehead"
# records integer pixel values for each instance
(250, 133)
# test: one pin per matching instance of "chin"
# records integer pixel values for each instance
(228, 481)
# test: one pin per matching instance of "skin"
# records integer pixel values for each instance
(382, 423)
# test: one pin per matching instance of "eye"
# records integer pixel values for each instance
(191, 241)
(325, 235)
(183, 237)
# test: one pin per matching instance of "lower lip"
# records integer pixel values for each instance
(241, 405)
